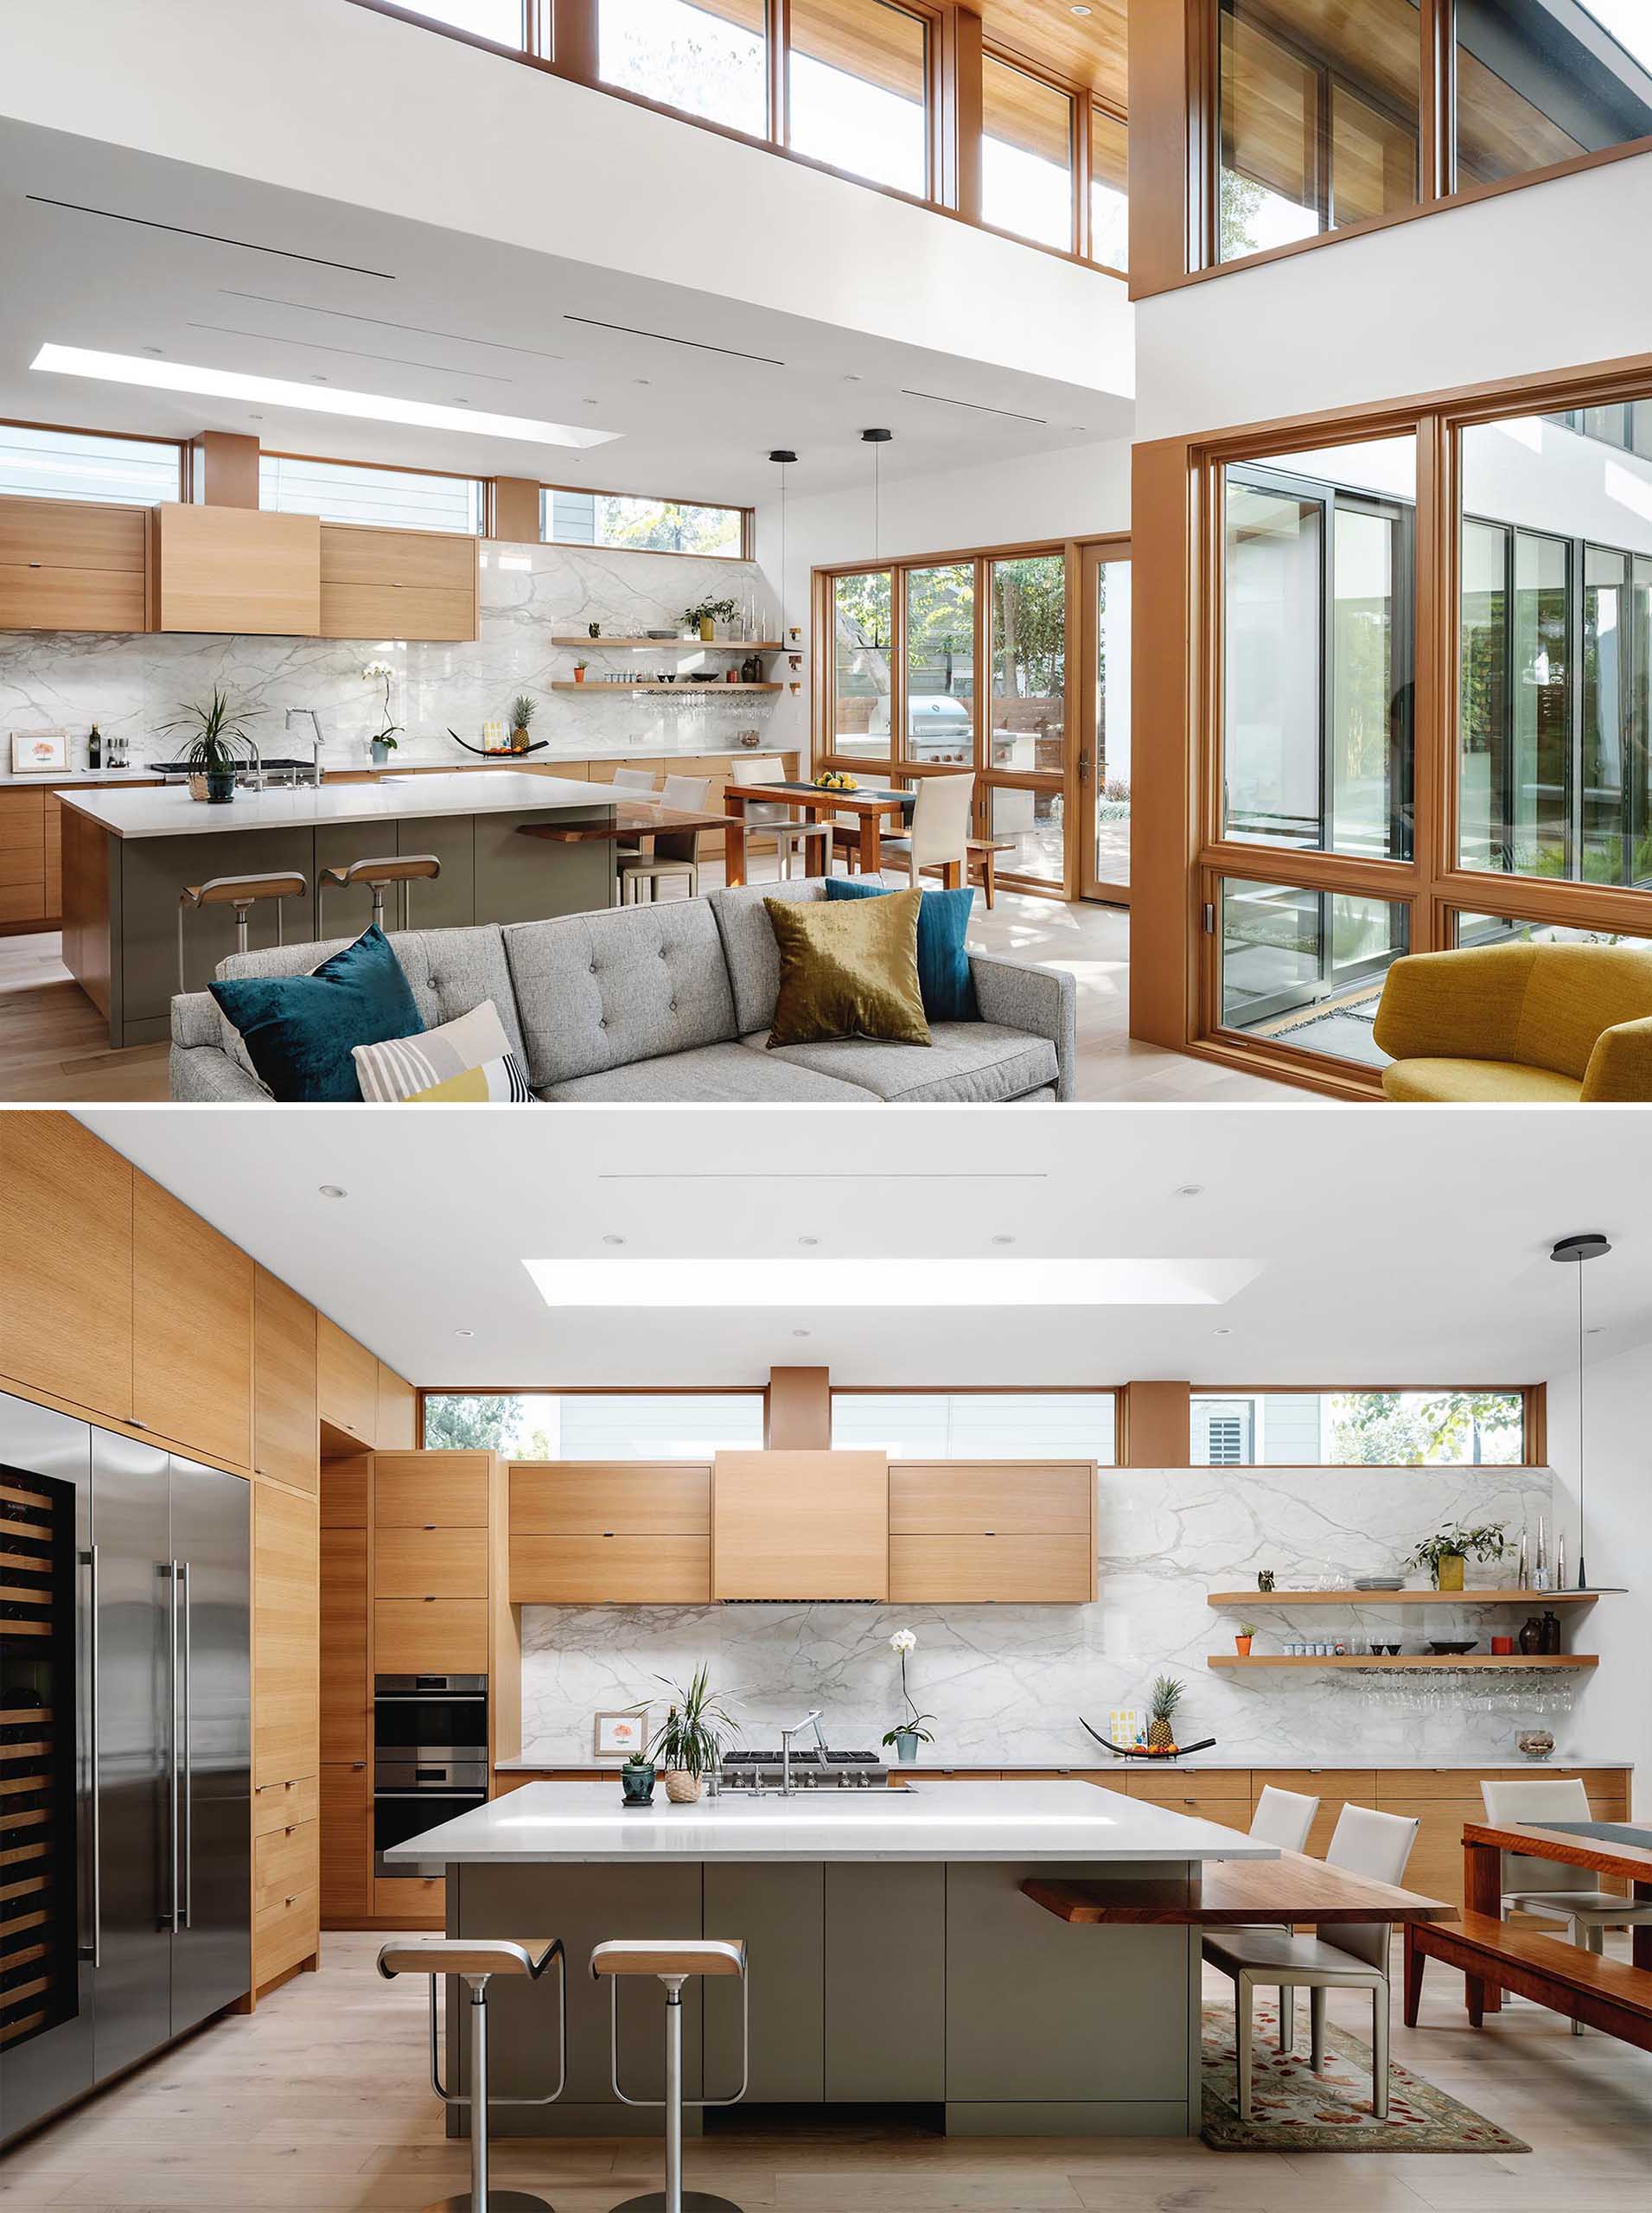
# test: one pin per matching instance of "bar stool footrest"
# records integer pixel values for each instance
(693, 2201)
(499, 2201)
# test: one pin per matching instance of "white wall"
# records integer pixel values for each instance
(1618, 1499)
(1539, 279)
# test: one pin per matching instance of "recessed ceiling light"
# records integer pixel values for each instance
(613, 1240)
(800, 1333)
(643, 380)
(808, 1240)
(1595, 1329)
(1221, 1333)
(282, 392)
(868, 1282)
(151, 349)
(850, 376)
(464, 1333)
(1001, 1238)
(1080, 11)
(1188, 1191)
(333, 1191)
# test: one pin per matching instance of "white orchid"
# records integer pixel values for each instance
(375, 671)
(908, 1734)
(903, 1641)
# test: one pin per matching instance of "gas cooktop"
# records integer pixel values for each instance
(811, 1768)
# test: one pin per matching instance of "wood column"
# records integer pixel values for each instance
(799, 1410)
(958, 183)
(1172, 181)
(515, 510)
(573, 40)
(223, 470)
(1157, 1426)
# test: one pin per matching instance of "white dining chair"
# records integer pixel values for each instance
(1549, 1888)
(775, 819)
(676, 853)
(938, 831)
(1348, 1955)
(633, 779)
(1282, 1818)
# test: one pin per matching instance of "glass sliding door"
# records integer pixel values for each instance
(863, 666)
(940, 664)
(1104, 736)
(1026, 731)
(1304, 969)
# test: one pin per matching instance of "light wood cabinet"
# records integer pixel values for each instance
(192, 1325)
(70, 565)
(430, 1490)
(236, 568)
(964, 1569)
(978, 1532)
(23, 856)
(286, 1635)
(285, 1446)
(396, 1421)
(799, 1525)
(414, 1636)
(430, 1564)
(278, 1805)
(345, 1844)
(286, 1900)
(346, 1482)
(347, 1695)
(396, 583)
(610, 1571)
(630, 1533)
(347, 1382)
(65, 1286)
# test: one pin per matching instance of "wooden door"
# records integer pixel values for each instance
(1104, 736)
(192, 1329)
(799, 1525)
(286, 1635)
(66, 1289)
(285, 1446)
(347, 1382)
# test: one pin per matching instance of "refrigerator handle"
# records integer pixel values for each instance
(187, 1678)
(93, 1951)
(170, 1569)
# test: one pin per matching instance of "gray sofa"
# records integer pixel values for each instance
(671, 1002)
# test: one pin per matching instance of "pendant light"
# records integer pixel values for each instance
(876, 440)
(784, 456)
(1574, 1251)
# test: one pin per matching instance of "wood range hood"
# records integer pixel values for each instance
(797, 1520)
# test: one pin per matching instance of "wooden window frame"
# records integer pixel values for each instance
(1078, 150)
(1533, 1399)
(423, 1391)
(1175, 94)
(1177, 683)
(748, 522)
(86, 431)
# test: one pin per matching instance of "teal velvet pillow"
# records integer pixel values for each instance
(299, 1032)
(944, 979)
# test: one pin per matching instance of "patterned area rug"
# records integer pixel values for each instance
(1294, 2110)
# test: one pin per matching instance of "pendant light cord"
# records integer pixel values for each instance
(1582, 1573)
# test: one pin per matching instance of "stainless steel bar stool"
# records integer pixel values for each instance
(377, 873)
(674, 1961)
(243, 893)
(477, 1959)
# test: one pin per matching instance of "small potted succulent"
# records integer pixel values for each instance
(637, 1779)
(689, 1742)
(1446, 1554)
(524, 707)
(384, 741)
(220, 748)
(906, 1736)
(580, 667)
(705, 615)
(1242, 1638)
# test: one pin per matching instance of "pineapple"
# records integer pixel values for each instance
(1167, 1696)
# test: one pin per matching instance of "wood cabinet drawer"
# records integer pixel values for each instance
(72, 534)
(71, 599)
(1436, 1864)
(982, 1497)
(613, 1570)
(429, 1490)
(24, 866)
(287, 1937)
(23, 902)
(413, 1636)
(285, 1805)
(1322, 1783)
(410, 1901)
(353, 554)
(396, 611)
(1226, 1813)
(23, 823)
(568, 1499)
(963, 1570)
(286, 1867)
(1168, 1787)
(430, 1564)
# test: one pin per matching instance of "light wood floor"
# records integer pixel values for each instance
(54, 1045)
(318, 2101)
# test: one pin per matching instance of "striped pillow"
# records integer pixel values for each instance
(467, 1059)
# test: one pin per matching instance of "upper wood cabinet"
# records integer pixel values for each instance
(285, 1447)
(626, 1533)
(192, 1329)
(235, 569)
(432, 1490)
(66, 1264)
(979, 1533)
(799, 1525)
(347, 1382)
(398, 1412)
(396, 583)
(286, 1636)
(70, 565)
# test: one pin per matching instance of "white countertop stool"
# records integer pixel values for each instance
(673, 1960)
(243, 893)
(478, 1959)
(377, 873)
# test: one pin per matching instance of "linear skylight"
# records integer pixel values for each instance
(315, 399)
(874, 1283)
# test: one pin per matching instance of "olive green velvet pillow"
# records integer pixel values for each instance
(848, 969)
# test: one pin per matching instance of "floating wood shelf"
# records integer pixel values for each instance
(709, 685)
(682, 644)
(1255, 1601)
(1402, 1660)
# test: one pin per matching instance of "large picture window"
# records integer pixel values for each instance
(707, 60)
(72, 465)
(977, 1424)
(628, 522)
(1026, 155)
(857, 89)
(1349, 1429)
(863, 650)
(396, 498)
(594, 1425)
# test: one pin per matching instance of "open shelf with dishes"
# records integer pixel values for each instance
(1402, 1660)
(680, 645)
(1246, 1602)
(705, 684)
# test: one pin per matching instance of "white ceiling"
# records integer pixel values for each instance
(437, 315)
(1396, 1247)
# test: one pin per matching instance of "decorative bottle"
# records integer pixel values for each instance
(94, 749)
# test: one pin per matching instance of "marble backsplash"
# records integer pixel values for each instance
(1006, 1684)
(131, 684)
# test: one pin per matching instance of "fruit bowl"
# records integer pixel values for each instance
(836, 779)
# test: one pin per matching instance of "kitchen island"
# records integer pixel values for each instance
(127, 856)
(894, 1958)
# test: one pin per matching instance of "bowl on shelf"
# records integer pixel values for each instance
(1377, 1582)
(1389, 1650)
(1452, 1646)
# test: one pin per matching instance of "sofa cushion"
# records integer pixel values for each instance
(600, 990)
(466, 1060)
(449, 972)
(710, 1074)
(944, 979)
(974, 1062)
(848, 969)
(749, 945)
(1463, 1082)
(300, 1030)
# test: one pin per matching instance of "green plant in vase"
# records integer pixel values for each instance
(524, 707)
(689, 1742)
(220, 749)
(1446, 1554)
(906, 1736)
(637, 1780)
(705, 615)
(384, 740)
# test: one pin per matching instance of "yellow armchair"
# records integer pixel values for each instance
(1538, 1024)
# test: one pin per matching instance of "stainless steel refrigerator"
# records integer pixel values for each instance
(125, 1715)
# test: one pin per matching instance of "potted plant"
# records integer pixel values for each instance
(1167, 1695)
(692, 1737)
(220, 748)
(523, 710)
(580, 667)
(1242, 1638)
(384, 741)
(637, 1780)
(706, 614)
(907, 1735)
(1446, 1554)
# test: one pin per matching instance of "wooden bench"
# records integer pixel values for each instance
(1602, 1993)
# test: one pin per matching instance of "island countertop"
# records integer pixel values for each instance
(584, 1823)
(169, 811)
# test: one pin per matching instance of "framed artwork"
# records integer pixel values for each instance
(40, 751)
(618, 1735)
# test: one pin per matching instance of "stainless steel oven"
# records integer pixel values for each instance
(430, 1758)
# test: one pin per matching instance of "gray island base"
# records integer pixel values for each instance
(893, 1958)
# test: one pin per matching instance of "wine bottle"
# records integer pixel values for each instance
(94, 749)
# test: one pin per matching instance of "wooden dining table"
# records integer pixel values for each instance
(874, 804)
(1621, 1849)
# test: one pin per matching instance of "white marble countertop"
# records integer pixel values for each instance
(169, 811)
(93, 779)
(1197, 1765)
(585, 1822)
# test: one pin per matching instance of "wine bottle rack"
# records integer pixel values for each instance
(38, 1981)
